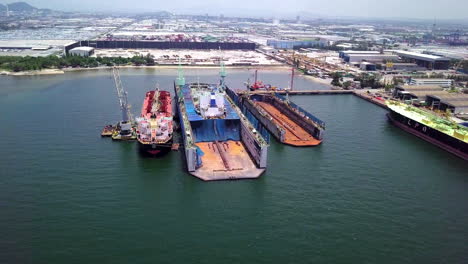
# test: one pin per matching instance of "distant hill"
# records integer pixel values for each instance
(21, 7)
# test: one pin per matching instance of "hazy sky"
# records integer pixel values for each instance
(430, 9)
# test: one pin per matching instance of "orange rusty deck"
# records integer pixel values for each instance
(226, 160)
(295, 135)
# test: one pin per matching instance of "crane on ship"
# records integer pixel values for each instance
(125, 127)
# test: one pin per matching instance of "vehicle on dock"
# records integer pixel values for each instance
(219, 141)
(155, 125)
(426, 125)
(286, 121)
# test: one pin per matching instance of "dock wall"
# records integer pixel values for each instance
(257, 151)
(302, 121)
(191, 156)
(253, 133)
(265, 119)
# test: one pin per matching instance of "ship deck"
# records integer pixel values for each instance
(295, 135)
(226, 160)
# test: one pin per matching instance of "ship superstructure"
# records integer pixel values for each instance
(208, 101)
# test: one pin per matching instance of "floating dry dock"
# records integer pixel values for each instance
(289, 123)
(219, 141)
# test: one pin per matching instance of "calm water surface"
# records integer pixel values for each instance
(370, 193)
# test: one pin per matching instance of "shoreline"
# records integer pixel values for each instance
(318, 80)
(64, 70)
(325, 82)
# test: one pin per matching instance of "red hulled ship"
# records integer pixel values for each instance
(155, 125)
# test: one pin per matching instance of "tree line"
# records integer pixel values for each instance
(28, 63)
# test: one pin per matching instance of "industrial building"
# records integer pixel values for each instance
(345, 53)
(81, 51)
(419, 92)
(431, 62)
(455, 103)
(367, 66)
(374, 58)
(147, 44)
(292, 44)
(434, 96)
(356, 57)
(429, 81)
(404, 67)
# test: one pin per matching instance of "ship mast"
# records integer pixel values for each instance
(223, 74)
(180, 79)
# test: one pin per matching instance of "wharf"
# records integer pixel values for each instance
(368, 97)
(361, 94)
(299, 92)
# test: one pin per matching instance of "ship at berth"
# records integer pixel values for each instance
(219, 141)
(437, 130)
(155, 125)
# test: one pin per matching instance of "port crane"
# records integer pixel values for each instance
(125, 124)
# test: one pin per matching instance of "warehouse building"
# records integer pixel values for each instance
(81, 51)
(404, 67)
(429, 81)
(373, 58)
(357, 57)
(416, 92)
(345, 53)
(294, 44)
(455, 103)
(431, 62)
(367, 66)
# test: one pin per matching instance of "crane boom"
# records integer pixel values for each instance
(122, 94)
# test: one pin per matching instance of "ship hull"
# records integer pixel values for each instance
(441, 140)
(154, 149)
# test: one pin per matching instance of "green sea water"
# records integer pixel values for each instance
(371, 193)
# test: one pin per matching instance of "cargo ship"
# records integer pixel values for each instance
(155, 124)
(287, 122)
(437, 130)
(219, 141)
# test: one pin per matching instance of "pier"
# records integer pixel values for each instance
(299, 92)
(359, 93)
